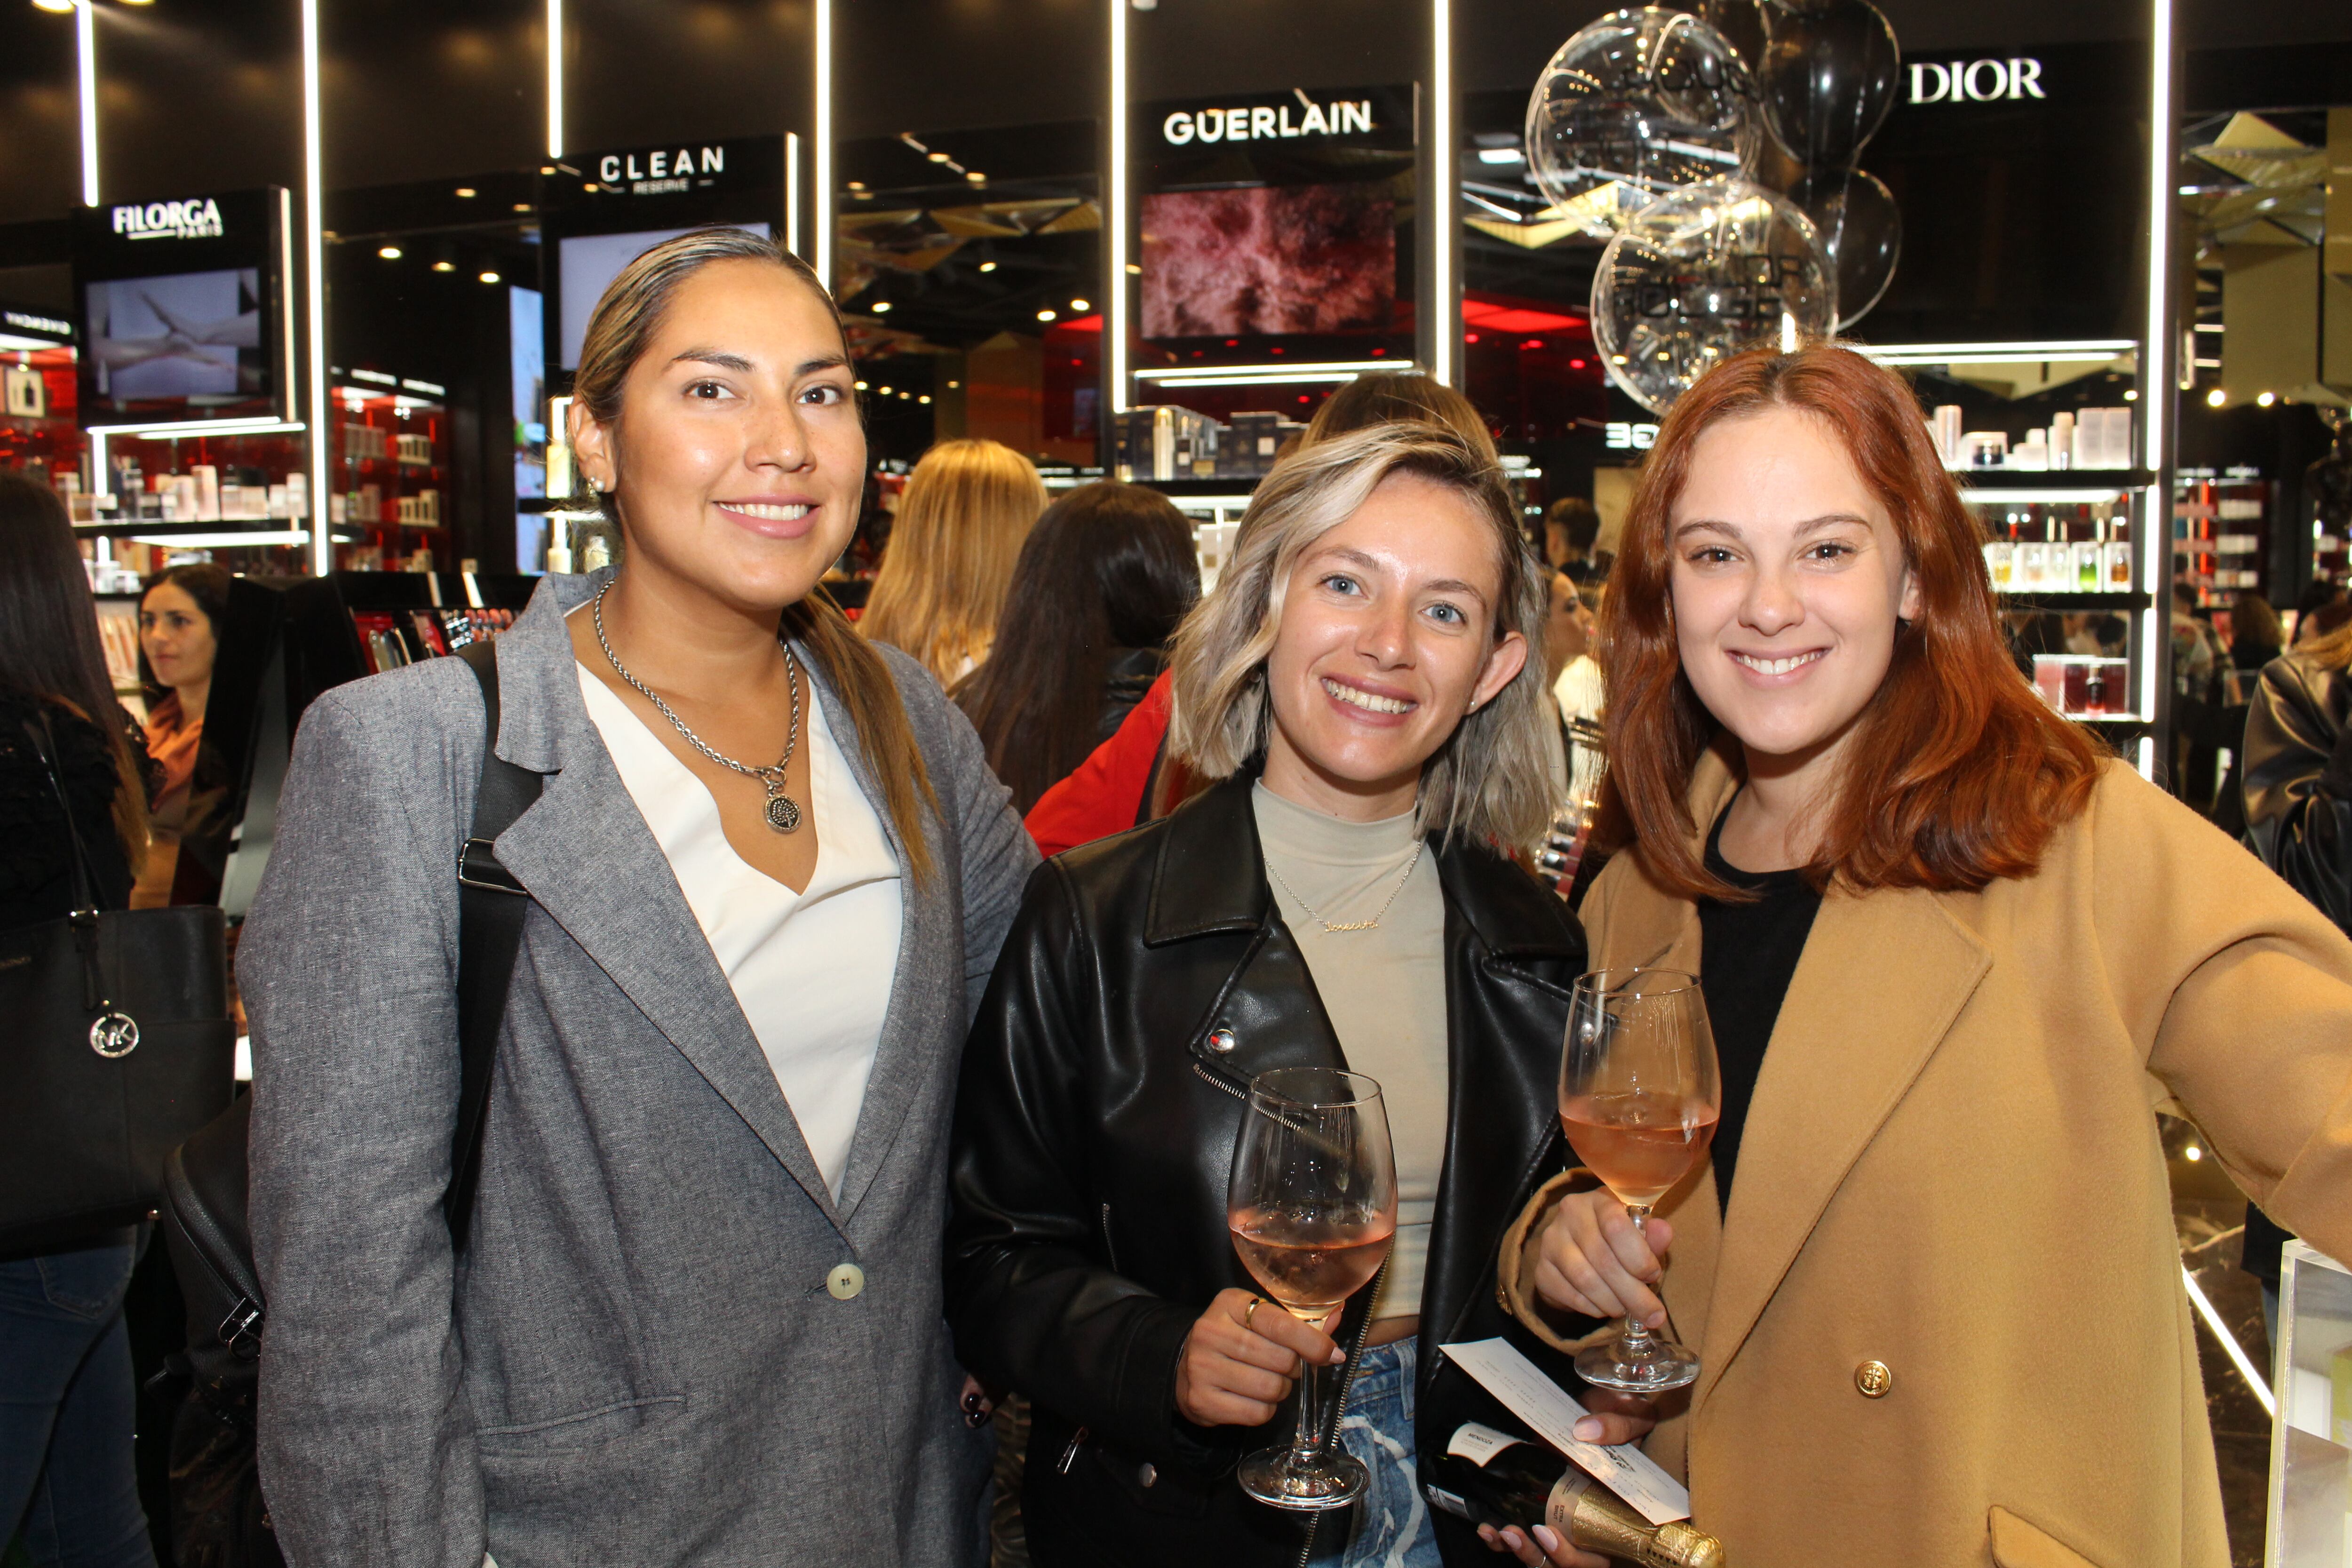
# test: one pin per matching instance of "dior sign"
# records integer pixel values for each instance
(1975, 81)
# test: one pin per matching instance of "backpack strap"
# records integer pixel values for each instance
(490, 908)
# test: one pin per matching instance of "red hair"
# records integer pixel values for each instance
(1957, 772)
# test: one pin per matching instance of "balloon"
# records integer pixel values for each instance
(1741, 22)
(1861, 231)
(1828, 79)
(1637, 104)
(1700, 274)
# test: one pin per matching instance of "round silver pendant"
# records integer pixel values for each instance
(783, 813)
(114, 1034)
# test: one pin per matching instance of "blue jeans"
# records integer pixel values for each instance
(1392, 1528)
(66, 1485)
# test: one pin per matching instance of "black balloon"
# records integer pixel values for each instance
(1741, 22)
(1861, 234)
(1828, 79)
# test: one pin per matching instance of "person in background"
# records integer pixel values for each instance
(1573, 675)
(2297, 785)
(948, 565)
(178, 635)
(1952, 950)
(1105, 577)
(1362, 689)
(1125, 781)
(2256, 637)
(1571, 530)
(67, 1400)
(2318, 596)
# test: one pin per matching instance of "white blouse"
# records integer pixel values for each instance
(810, 970)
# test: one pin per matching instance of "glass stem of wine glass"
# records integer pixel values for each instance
(1309, 1443)
(1635, 1341)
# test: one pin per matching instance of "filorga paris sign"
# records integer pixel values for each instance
(199, 218)
(1975, 81)
(1265, 123)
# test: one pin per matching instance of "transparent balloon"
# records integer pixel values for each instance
(1637, 104)
(1700, 275)
(1861, 231)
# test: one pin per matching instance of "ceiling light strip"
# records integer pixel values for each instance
(555, 78)
(1446, 315)
(821, 176)
(2155, 371)
(86, 65)
(314, 291)
(1114, 284)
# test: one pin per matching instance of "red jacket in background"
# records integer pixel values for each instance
(1106, 795)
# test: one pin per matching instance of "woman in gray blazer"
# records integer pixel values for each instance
(699, 1316)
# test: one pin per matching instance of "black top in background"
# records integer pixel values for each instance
(1748, 953)
(36, 851)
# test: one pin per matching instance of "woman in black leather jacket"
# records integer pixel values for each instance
(1359, 686)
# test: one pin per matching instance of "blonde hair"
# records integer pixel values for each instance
(961, 524)
(619, 331)
(1492, 776)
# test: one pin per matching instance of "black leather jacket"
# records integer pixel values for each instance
(2298, 780)
(1147, 978)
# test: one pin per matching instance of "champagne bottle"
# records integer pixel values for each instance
(1492, 1478)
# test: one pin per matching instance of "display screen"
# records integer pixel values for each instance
(1269, 260)
(187, 336)
(586, 263)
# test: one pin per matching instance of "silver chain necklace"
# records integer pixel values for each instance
(1373, 924)
(784, 811)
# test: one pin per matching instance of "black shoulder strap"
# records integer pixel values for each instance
(490, 908)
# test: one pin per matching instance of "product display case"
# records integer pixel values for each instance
(389, 467)
(159, 497)
(2222, 532)
(2310, 1435)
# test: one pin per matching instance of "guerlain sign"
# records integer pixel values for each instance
(1266, 123)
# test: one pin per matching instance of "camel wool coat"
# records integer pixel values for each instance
(1951, 1170)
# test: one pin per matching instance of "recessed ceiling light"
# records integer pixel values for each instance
(953, 384)
(388, 252)
(1135, 267)
(1080, 306)
(466, 190)
(445, 267)
(937, 157)
(881, 307)
(925, 398)
(857, 185)
(2265, 399)
(547, 168)
(886, 392)
(975, 176)
(2215, 399)
(1045, 315)
(489, 276)
(861, 386)
(56, 7)
(522, 206)
(988, 266)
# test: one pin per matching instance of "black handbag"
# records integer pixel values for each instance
(219, 1519)
(123, 1049)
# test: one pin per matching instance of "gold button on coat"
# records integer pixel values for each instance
(1874, 1378)
(844, 1282)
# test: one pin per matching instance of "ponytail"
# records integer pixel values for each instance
(876, 711)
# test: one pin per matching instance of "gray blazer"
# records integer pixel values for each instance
(638, 1361)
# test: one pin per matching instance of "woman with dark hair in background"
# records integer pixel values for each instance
(179, 633)
(66, 1398)
(1122, 784)
(2256, 633)
(1101, 582)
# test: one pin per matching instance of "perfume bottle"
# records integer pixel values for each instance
(2118, 556)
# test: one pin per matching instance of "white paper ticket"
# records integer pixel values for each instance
(1545, 1406)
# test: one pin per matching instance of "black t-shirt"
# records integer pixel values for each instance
(1747, 952)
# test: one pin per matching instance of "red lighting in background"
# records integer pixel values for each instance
(1532, 343)
(1302, 398)
(1576, 365)
(1232, 342)
(1469, 337)
(1501, 318)
(1081, 324)
(1380, 353)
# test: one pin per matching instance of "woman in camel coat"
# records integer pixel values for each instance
(1940, 1317)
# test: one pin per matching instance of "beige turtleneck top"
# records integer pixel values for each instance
(1383, 990)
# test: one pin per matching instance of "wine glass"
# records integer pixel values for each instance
(1312, 1207)
(1638, 1095)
